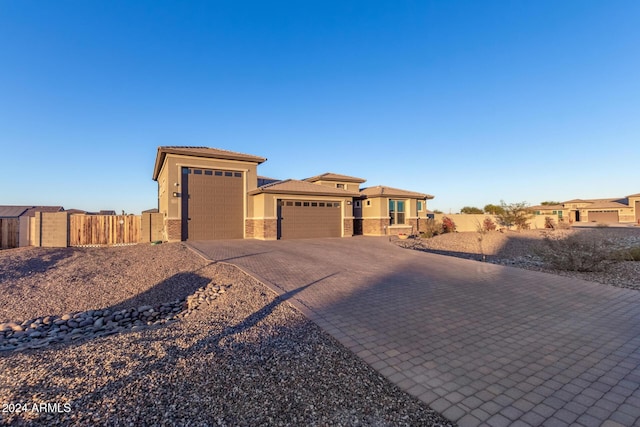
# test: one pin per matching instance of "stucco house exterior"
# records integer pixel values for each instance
(208, 193)
(605, 211)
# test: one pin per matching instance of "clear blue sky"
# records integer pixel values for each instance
(471, 101)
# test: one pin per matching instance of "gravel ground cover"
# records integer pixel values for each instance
(246, 358)
(518, 249)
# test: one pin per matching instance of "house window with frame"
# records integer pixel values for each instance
(339, 185)
(396, 211)
(419, 205)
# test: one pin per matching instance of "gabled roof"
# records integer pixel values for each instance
(330, 176)
(206, 152)
(634, 195)
(381, 190)
(293, 186)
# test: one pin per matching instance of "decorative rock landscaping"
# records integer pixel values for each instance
(42, 331)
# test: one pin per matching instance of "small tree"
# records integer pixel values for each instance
(471, 210)
(514, 215)
(437, 211)
(493, 209)
(549, 203)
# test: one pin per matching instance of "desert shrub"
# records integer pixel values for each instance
(549, 222)
(432, 228)
(563, 225)
(629, 254)
(448, 226)
(576, 252)
(488, 224)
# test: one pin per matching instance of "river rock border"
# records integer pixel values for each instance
(43, 331)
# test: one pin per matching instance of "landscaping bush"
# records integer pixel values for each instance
(549, 222)
(629, 254)
(448, 226)
(433, 228)
(576, 252)
(488, 224)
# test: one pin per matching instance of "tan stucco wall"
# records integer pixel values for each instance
(351, 186)
(471, 222)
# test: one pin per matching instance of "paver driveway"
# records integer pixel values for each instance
(480, 343)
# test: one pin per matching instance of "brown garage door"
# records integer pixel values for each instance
(300, 219)
(212, 204)
(603, 216)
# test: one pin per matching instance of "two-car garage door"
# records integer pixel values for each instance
(610, 216)
(299, 219)
(212, 204)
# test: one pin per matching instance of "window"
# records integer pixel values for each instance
(396, 211)
(218, 173)
(228, 174)
(208, 172)
(321, 204)
(314, 204)
(339, 185)
(305, 204)
(197, 171)
(289, 203)
(237, 174)
(419, 205)
(368, 202)
(298, 203)
(357, 204)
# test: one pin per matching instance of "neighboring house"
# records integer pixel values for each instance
(608, 211)
(15, 223)
(208, 193)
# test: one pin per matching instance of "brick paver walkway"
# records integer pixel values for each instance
(480, 343)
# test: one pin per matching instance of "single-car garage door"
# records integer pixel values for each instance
(300, 219)
(212, 204)
(603, 216)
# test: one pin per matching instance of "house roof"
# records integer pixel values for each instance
(606, 203)
(634, 195)
(32, 211)
(293, 186)
(577, 201)
(207, 152)
(614, 203)
(330, 176)
(547, 207)
(16, 211)
(381, 190)
(12, 211)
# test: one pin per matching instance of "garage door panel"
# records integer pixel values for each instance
(214, 205)
(309, 219)
(603, 216)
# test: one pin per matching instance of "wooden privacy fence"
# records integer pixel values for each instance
(9, 233)
(104, 229)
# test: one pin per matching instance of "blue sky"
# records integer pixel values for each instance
(471, 101)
